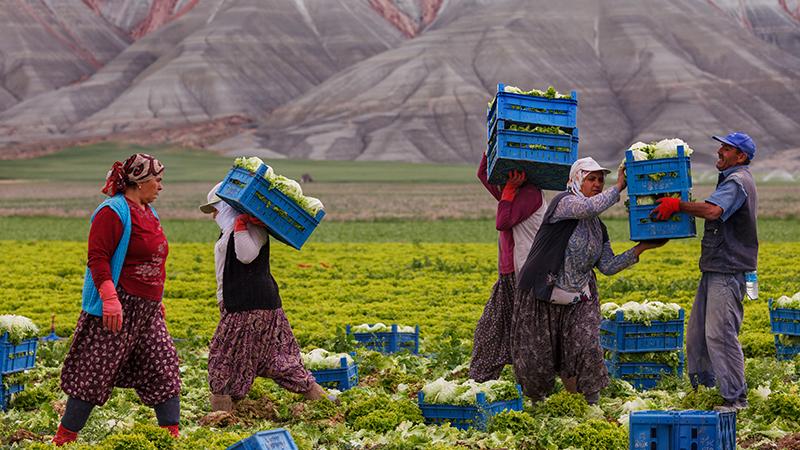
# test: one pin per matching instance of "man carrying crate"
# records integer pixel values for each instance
(729, 250)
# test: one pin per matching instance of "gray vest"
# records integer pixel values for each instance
(732, 246)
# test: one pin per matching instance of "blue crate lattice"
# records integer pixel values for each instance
(251, 193)
(16, 358)
(784, 320)
(639, 174)
(785, 352)
(547, 168)
(619, 335)
(682, 430)
(533, 110)
(388, 342)
(641, 375)
(644, 228)
(343, 378)
(6, 392)
(277, 439)
(464, 417)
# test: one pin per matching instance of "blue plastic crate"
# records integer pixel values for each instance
(658, 176)
(464, 417)
(533, 110)
(642, 376)
(342, 378)
(682, 430)
(251, 193)
(6, 392)
(546, 168)
(277, 439)
(390, 341)
(644, 228)
(16, 358)
(784, 320)
(785, 352)
(619, 335)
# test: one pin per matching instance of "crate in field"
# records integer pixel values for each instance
(562, 112)
(642, 375)
(645, 228)
(545, 158)
(251, 193)
(389, 341)
(682, 430)
(658, 176)
(19, 357)
(342, 378)
(786, 351)
(277, 439)
(6, 392)
(471, 416)
(619, 335)
(784, 320)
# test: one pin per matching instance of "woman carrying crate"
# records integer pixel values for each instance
(121, 338)
(253, 337)
(520, 208)
(556, 318)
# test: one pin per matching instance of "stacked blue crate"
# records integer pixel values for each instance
(682, 430)
(6, 391)
(655, 177)
(785, 321)
(14, 358)
(545, 158)
(389, 341)
(471, 416)
(620, 337)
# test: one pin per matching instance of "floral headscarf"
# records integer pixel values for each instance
(136, 169)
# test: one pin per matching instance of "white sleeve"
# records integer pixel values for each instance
(248, 243)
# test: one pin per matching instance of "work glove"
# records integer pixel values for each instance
(243, 219)
(112, 308)
(515, 180)
(667, 206)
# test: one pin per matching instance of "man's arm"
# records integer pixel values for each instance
(705, 210)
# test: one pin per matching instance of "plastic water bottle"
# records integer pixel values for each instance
(751, 284)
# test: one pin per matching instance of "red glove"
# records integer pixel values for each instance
(243, 219)
(667, 206)
(112, 308)
(515, 180)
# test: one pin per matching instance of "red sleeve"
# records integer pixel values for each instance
(527, 201)
(104, 237)
(494, 190)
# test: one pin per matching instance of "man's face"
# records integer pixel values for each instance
(729, 157)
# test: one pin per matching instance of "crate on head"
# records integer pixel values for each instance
(642, 375)
(643, 227)
(388, 341)
(251, 193)
(6, 392)
(555, 112)
(619, 335)
(17, 357)
(277, 439)
(342, 378)
(658, 176)
(471, 416)
(682, 430)
(545, 158)
(784, 320)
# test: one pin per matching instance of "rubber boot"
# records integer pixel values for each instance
(64, 436)
(173, 430)
(221, 403)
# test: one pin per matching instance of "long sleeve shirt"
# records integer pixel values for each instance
(587, 248)
(247, 244)
(143, 271)
(528, 200)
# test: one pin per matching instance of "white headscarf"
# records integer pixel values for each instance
(578, 172)
(226, 216)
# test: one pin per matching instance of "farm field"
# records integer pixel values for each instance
(408, 244)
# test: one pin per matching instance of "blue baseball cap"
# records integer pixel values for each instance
(740, 141)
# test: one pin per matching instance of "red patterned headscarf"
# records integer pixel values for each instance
(136, 169)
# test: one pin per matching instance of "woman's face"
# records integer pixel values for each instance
(593, 183)
(150, 189)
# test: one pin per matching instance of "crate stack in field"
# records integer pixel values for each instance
(545, 157)
(14, 358)
(785, 325)
(682, 430)
(251, 193)
(630, 348)
(657, 177)
(467, 416)
(392, 341)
